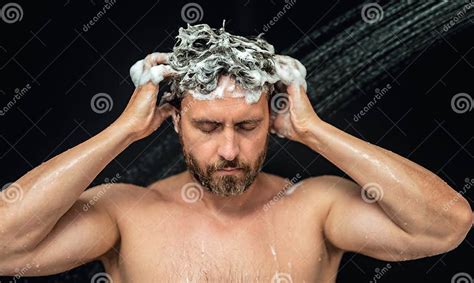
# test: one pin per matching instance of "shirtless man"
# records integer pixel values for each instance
(243, 225)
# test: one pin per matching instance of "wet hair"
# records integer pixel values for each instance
(202, 54)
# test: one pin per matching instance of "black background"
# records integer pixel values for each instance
(66, 66)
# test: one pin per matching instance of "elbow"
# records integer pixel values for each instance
(458, 229)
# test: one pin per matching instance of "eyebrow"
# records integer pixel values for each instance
(208, 121)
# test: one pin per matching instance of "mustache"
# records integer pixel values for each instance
(226, 163)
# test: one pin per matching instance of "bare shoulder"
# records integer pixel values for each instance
(322, 190)
(111, 197)
(112, 192)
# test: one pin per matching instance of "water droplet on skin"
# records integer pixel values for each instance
(273, 251)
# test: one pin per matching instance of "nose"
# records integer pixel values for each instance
(228, 146)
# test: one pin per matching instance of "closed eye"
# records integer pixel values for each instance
(247, 127)
(208, 127)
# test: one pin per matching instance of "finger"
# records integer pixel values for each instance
(156, 58)
(148, 88)
(167, 110)
(156, 74)
(136, 72)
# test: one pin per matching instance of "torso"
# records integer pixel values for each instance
(164, 239)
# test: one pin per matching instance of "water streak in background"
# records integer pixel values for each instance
(350, 54)
(342, 59)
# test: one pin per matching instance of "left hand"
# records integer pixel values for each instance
(294, 119)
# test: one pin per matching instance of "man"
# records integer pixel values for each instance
(223, 219)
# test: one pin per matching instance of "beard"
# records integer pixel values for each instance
(226, 185)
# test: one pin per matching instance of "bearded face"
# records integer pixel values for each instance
(227, 183)
(223, 134)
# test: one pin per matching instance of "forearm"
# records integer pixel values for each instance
(412, 196)
(48, 191)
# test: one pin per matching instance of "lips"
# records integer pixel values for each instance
(227, 169)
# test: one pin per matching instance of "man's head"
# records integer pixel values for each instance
(224, 133)
(223, 87)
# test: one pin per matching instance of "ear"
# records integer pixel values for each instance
(176, 118)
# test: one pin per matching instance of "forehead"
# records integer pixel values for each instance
(230, 105)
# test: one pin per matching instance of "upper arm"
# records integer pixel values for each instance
(355, 225)
(84, 233)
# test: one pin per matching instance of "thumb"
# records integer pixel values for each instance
(166, 110)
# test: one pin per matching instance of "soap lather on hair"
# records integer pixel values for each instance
(201, 54)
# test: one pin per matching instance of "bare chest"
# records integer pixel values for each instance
(181, 246)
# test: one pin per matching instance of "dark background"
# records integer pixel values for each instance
(66, 66)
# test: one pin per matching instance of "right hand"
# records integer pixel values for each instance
(142, 116)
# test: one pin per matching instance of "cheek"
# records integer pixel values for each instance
(197, 144)
(254, 144)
